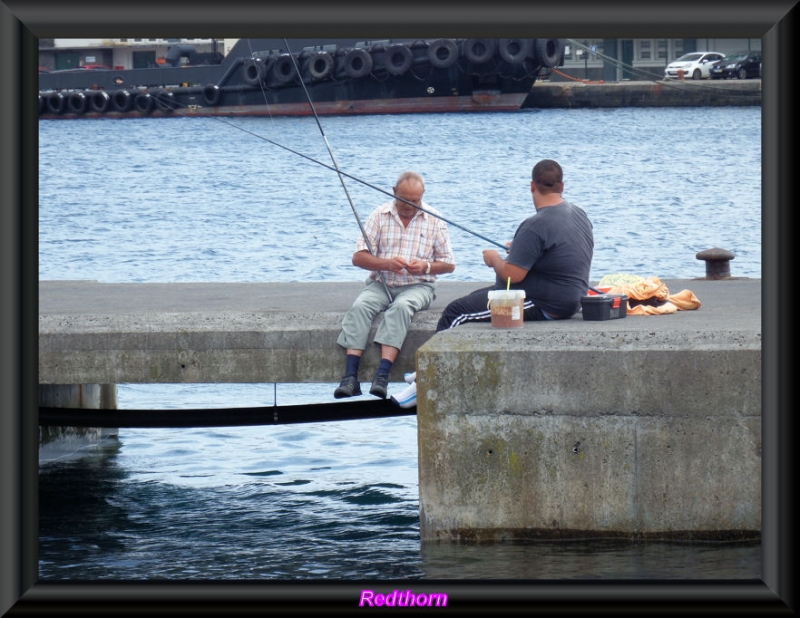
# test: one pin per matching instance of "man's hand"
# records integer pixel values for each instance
(490, 257)
(417, 267)
(397, 264)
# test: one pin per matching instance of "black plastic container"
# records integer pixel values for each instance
(604, 306)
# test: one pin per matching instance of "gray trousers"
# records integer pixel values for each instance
(397, 314)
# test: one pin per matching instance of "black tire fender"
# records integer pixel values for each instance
(121, 100)
(144, 102)
(254, 71)
(211, 95)
(357, 63)
(165, 100)
(548, 51)
(398, 59)
(99, 101)
(443, 53)
(283, 70)
(77, 103)
(56, 103)
(320, 65)
(514, 51)
(479, 51)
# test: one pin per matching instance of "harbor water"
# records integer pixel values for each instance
(253, 200)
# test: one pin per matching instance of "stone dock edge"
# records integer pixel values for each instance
(665, 93)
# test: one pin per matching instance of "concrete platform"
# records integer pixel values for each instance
(111, 333)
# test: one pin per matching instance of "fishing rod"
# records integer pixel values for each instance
(342, 174)
(336, 166)
(363, 182)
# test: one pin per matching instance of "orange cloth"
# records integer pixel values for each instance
(653, 288)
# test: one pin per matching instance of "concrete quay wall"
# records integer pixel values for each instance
(613, 434)
(642, 427)
(663, 93)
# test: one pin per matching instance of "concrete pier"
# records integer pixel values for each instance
(112, 333)
(641, 427)
(614, 433)
(664, 93)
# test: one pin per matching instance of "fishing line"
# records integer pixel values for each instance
(336, 169)
(336, 166)
(363, 182)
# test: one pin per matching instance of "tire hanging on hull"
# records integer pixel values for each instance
(99, 101)
(144, 103)
(121, 100)
(478, 51)
(211, 95)
(443, 53)
(398, 59)
(56, 103)
(548, 52)
(283, 70)
(320, 65)
(255, 71)
(357, 63)
(77, 103)
(165, 100)
(514, 51)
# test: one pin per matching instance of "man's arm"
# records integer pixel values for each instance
(503, 269)
(364, 259)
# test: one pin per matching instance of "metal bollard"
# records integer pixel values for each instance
(717, 262)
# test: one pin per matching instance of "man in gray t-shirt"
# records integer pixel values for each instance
(549, 258)
(554, 247)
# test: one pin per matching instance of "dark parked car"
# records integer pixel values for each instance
(741, 64)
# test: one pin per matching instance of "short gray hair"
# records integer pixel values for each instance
(410, 176)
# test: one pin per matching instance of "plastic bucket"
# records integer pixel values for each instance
(506, 307)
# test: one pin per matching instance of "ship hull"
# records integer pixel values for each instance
(422, 76)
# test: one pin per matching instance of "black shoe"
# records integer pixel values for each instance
(379, 384)
(348, 387)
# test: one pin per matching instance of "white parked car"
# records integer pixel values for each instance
(695, 65)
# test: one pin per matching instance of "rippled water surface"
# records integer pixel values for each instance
(195, 199)
(201, 200)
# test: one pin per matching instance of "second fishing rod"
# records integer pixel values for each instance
(334, 167)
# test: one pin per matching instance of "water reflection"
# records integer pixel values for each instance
(592, 560)
(100, 519)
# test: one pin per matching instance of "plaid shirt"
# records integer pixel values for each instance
(425, 238)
